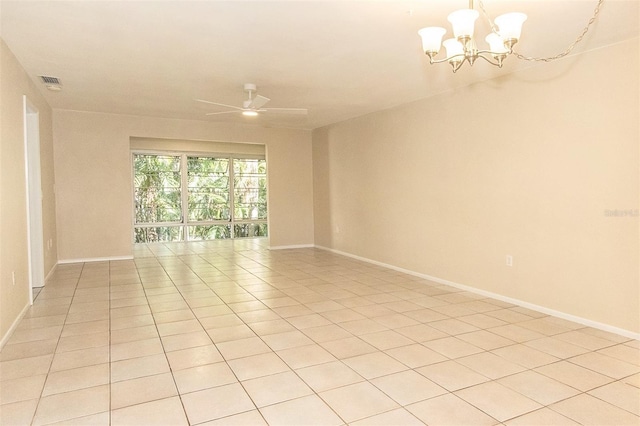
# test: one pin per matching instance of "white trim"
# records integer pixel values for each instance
(211, 154)
(13, 327)
(295, 246)
(95, 259)
(33, 182)
(51, 271)
(533, 307)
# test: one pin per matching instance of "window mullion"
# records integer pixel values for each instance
(232, 214)
(184, 192)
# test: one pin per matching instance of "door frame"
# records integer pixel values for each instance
(35, 232)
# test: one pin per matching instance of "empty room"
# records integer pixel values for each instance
(324, 212)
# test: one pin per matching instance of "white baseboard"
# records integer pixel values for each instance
(13, 327)
(533, 307)
(291, 247)
(94, 259)
(15, 323)
(51, 271)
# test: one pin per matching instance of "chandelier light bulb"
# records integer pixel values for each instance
(463, 22)
(510, 25)
(431, 39)
(496, 45)
(454, 48)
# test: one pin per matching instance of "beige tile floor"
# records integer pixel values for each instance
(232, 333)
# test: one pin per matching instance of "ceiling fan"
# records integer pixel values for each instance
(254, 105)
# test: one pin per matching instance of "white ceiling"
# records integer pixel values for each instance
(339, 59)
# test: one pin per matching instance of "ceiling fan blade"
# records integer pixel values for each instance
(258, 102)
(293, 111)
(223, 112)
(219, 104)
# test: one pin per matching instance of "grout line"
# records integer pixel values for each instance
(257, 261)
(255, 335)
(164, 352)
(56, 347)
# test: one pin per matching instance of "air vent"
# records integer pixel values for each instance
(51, 83)
(50, 80)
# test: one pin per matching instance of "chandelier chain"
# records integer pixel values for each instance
(559, 55)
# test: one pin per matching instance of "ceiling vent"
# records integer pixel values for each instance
(51, 83)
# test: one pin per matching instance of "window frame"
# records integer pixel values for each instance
(185, 223)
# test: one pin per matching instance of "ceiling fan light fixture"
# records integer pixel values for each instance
(253, 106)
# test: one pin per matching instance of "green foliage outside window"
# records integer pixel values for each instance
(208, 184)
(250, 189)
(158, 198)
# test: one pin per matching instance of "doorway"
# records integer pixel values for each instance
(34, 196)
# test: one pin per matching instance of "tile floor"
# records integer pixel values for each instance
(232, 333)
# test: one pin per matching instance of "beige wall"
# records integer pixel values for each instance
(93, 173)
(14, 83)
(525, 165)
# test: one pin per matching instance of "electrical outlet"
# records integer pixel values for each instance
(509, 260)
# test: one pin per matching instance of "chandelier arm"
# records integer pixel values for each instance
(568, 50)
(463, 58)
(497, 63)
(439, 61)
(507, 53)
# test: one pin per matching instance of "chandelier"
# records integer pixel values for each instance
(506, 30)
(463, 47)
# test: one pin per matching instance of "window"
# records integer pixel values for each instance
(250, 198)
(157, 198)
(208, 198)
(188, 198)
